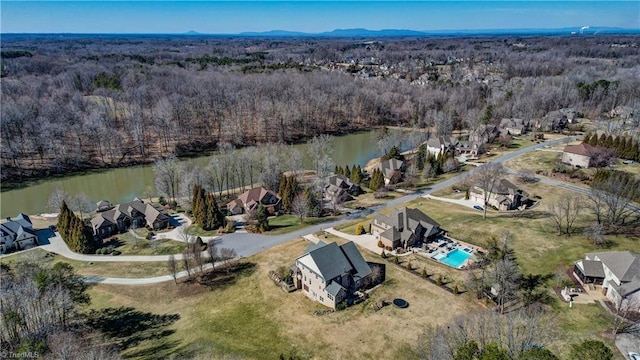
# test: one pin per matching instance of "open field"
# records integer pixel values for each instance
(130, 245)
(254, 317)
(105, 269)
(287, 223)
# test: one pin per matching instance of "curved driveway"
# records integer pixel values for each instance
(247, 244)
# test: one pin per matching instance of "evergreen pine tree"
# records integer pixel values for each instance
(201, 208)
(602, 140)
(194, 201)
(347, 172)
(336, 170)
(621, 146)
(608, 143)
(262, 224)
(420, 156)
(356, 177)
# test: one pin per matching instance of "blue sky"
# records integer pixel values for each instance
(228, 17)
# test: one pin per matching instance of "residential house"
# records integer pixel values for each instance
(504, 195)
(404, 228)
(578, 155)
(329, 273)
(618, 272)
(470, 148)
(571, 114)
(553, 121)
(103, 205)
(17, 233)
(441, 144)
(515, 126)
(129, 215)
(345, 183)
(484, 134)
(392, 169)
(249, 201)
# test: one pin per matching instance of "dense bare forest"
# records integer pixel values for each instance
(76, 102)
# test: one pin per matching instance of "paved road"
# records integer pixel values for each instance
(246, 244)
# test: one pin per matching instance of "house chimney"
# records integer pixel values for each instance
(400, 221)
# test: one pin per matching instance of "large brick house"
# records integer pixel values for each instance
(329, 273)
(403, 228)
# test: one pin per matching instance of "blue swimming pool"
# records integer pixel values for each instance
(455, 258)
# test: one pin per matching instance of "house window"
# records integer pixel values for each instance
(330, 296)
(321, 299)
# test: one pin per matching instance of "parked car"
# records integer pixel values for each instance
(478, 207)
(634, 355)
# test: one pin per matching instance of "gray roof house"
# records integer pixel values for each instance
(504, 195)
(441, 144)
(403, 228)
(329, 273)
(617, 271)
(391, 168)
(515, 126)
(17, 233)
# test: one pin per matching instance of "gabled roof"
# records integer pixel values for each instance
(405, 222)
(251, 198)
(340, 180)
(505, 187)
(441, 142)
(18, 227)
(592, 268)
(389, 167)
(334, 288)
(583, 149)
(330, 261)
(625, 265)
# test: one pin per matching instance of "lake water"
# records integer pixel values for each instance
(123, 184)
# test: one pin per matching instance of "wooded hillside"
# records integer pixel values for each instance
(77, 102)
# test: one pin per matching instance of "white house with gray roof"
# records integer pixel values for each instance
(617, 271)
(17, 233)
(329, 273)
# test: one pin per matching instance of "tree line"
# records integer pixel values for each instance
(76, 103)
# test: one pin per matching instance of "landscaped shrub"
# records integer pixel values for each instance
(359, 229)
(230, 227)
(150, 235)
(409, 267)
(162, 201)
(380, 244)
(343, 305)
(383, 255)
(455, 289)
(396, 260)
(439, 280)
(173, 204)
(424, 273)
(388, 248)
(116, 253)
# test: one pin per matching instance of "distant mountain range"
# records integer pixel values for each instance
(359, 32)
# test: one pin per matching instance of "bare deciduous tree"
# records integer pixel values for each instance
(168, 174)
(486, 177)
(564, 212)
(56, 198)
(212, 251)
(172, 266)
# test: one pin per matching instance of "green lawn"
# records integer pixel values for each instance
(130, 245)
(287, 223)
(255, 319)
(106, 269)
